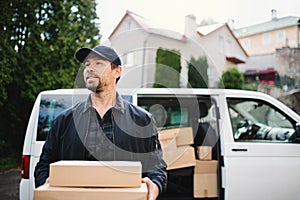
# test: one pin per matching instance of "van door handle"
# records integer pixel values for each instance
(243, 149)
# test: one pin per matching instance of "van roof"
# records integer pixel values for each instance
(183, 91)
(66, 91)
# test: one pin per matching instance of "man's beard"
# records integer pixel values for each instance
(97, 89)
(94, 89)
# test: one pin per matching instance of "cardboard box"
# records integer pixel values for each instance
(95, 174)
(205, 179)
(167, 141)
(205, 185)
(166, 135)
(206, 167)
(46, 192)
(180, 158)
(204, 152)
(168, 145)
(184, 135)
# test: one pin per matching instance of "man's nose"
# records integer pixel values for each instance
(90, 68)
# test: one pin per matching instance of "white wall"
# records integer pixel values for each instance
(217, 46)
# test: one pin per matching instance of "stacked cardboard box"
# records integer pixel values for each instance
(178, 153)
(205, 174)
(168, 141)
(204, 152)
(93, 180)
(95, 174)
(176, 148)
(46, 192)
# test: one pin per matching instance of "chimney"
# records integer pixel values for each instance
(190, 25)
(274, 14)
(230, 23)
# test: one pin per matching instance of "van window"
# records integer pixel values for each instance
(198, 112)
(166, 114)
(259, 121)
(50, 107)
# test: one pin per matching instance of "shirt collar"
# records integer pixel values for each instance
(118, 106)
(88, 103)
(119, 103)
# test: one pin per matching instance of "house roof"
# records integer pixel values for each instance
(234, 60)
(149, 26)
(208, 29)
(152, 28)
(205, 30)
(274, 24)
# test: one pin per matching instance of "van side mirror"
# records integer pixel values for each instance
(295, 138)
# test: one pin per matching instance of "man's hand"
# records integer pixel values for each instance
(153, 189)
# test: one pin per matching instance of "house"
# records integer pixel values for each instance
(273, 45)
(265, 38)
(136, 39)
(222, 47)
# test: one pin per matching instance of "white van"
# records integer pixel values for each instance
(255, 138)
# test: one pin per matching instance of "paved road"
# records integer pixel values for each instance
(9, 184)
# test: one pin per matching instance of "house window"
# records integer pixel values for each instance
(266, 39)
(280, 36)
(246, 44)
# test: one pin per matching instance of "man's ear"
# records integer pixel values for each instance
(117, 72)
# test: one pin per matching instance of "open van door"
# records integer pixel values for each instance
(261, 158)
(186, 109)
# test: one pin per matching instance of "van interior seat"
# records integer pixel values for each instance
(205, 134)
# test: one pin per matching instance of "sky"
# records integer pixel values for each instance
(171, 13)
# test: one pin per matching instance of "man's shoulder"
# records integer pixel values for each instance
(69, 112)
(137, 109)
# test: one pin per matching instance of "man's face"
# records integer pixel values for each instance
(98, 73)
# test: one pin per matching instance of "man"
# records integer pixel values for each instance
(104, 127)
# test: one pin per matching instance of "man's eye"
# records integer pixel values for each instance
(86, 65)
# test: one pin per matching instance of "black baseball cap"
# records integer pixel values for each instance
(104, 52)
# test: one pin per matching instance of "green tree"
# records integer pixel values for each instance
(7, 53)
(197, 73)
(232, 79)
(167, 74)
(38, 41)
